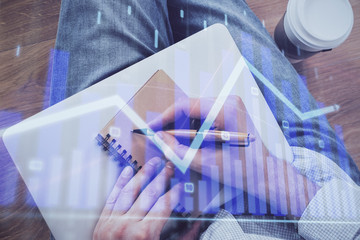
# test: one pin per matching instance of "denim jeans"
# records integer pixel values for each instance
(101, 37)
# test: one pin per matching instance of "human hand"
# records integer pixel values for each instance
(133, 213)
(231, 117)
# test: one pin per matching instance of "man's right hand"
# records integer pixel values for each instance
(231, 117)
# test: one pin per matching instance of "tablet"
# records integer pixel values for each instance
(70, 177)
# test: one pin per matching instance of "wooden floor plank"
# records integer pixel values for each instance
(23, 79)
(26, 22)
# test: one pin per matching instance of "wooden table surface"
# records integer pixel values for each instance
(28, 30)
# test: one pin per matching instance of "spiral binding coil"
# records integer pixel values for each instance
(119, 156)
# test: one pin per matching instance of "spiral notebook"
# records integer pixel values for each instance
(126, 147)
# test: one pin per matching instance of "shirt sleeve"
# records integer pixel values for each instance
(334, 212)
(227, 227)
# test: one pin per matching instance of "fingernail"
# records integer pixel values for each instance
(127, 172)
(155, 161)
(170, 165)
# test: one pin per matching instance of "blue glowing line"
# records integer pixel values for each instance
(244, 13)
(156, 38)
(182, 13)
(99, 17)
(302, 116)
(263, 23)
(205, 24)
(129, 10)
(46, 102)
(226, 20)
(59, 76)
(18, 50)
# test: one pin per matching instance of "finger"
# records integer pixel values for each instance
(123, 179)
(131, 190)
(169, 142)
(185, 107)
(152, 192)
(160, 212)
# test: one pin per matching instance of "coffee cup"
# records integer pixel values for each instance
(312, 26)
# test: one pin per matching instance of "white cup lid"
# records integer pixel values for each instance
(320, 24)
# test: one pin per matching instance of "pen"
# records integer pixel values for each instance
(210, 135)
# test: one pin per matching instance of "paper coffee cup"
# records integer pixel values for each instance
(315, 25)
